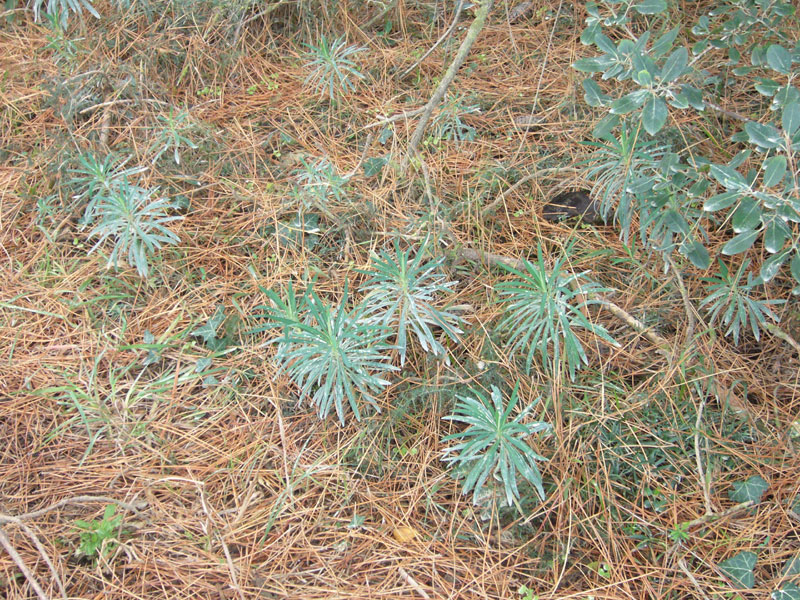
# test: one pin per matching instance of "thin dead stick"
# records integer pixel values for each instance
(710, 518)
(412, 582)
(46, 557)
(265, 11)
(687, 303)
(105, 122)
(398, 117)
(367, 144)
(488, 258)
(6, 543)
(74, 500)
(444, 36)
(727, 113)
(535, 102)
(704, 483)
(449, 76)
(688, 573)
(663, 346)
(111, 103)
(231, 568)
(380, 15)
(206, 527)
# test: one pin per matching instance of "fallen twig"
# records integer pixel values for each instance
(412, 582)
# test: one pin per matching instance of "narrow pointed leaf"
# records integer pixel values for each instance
(740, 243)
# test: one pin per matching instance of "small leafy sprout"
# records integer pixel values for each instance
(493, 444)
(331, 354)
(448, 124)
(732, 300)
(173, 135)
(285, 315)
(135, 222)
(319, 183)
(543, 309)
(680, 533)
(331, 67)
(62, 9)
(95, 180)
(65, 49)
(401, 294)
(99, 538)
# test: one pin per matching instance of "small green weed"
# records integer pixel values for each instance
(331, 353)
(135, 222)
(401, 294)
(542, 310)
(493, 444)
(100, 538)
(332, 71)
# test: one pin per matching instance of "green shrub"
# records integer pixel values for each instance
(542, 310)
(402, 294)
(332, 71)
(331, 353)
(493, 444)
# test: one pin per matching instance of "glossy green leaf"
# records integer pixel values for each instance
(605, 126)
(588, 34)
(767, 87)
(386, 134)
(791, 566)
(739, 569)
(697, 254)
(675, 222)
(590, 64)
(654, 114)
(790, 121)
(786, 95)
(794, 267)
(740, 158)
(675, 65)
(774, 170)
(758, 56)
(779, 58)
(747, 215)
(651, 7)
(373, 166)
(694, 96)
(593, 95)
(629, 102)
(679, 100)
(740, 243)
(604, 44)
(643, 78)
(750, 490)
(209, 331)
(721, 201)
(664, 44)
(776, 235)
(772, 266)
(764, 136)
(788, 591)
(729, 178)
